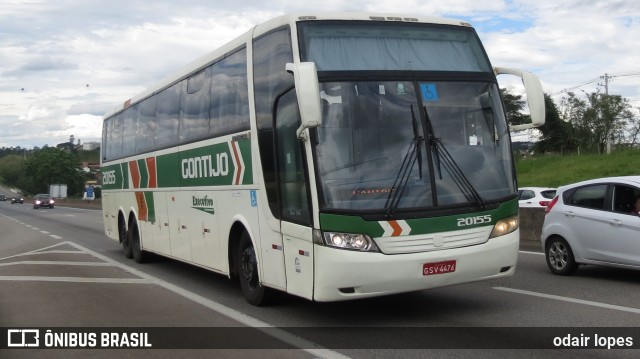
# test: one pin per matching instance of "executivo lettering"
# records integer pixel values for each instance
(204, 166)
(203, 202)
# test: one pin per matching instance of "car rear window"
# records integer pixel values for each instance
(548, 194)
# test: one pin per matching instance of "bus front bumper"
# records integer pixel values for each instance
(345, 275)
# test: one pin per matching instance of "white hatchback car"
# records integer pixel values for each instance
(593, 222)
(535, 197)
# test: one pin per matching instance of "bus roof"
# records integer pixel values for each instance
(289, 19)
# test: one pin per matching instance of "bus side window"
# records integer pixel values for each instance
(292, 178)
(194, 107)
(168, 116)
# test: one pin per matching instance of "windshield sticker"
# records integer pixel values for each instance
(429, 92)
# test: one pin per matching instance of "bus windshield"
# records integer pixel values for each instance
(390, 46)
(408, 145)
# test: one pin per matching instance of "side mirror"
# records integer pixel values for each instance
(308, 93)
(535, 96)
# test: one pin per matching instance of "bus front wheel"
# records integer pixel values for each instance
(253, 291)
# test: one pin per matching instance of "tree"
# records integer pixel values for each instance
(11, 169)
(598, 120)
(556, 133)
(51, 165)
(513, 106)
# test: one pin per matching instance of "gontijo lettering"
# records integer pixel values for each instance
(203, 166)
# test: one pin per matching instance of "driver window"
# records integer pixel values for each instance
(291, 169)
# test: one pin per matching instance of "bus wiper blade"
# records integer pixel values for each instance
(444, 157)
(413, 154)
(417, 138)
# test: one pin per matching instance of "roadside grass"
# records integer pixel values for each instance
(557, 170)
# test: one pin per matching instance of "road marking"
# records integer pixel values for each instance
(66, 263)
(76, 279)
(534, 253)
(571, 300)
(277, 333)
(44, 232)
(54, 236)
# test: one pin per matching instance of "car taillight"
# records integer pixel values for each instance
(544, 203)
(551, 204)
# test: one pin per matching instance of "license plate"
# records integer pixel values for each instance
(439, 267)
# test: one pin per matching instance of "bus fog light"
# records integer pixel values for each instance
(505, 226)
(356, 242)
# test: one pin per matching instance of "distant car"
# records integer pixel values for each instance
(43, 200)
(3, 197)
(535, 197)
(593, 222)
(17, 200)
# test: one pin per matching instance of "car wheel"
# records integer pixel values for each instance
(253, 291)
(560, 256)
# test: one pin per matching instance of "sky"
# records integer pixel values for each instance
(65, 63)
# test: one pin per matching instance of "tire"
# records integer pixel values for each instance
(124, 239)
(253, 291)
(138, 254)
(560, 256)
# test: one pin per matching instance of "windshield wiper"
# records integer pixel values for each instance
(413, 154)
(444, 158)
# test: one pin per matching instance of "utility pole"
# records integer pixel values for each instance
(606, 79)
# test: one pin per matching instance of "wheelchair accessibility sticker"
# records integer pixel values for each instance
(429, 92)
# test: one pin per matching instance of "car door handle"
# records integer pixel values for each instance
(569, 214)
(615, 222)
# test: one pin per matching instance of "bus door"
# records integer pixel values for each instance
(295, 205)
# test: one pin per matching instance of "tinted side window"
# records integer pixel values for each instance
(229, 95)
(526, 194)
(168, 116)
(291, 163)
(271, 53)
(589, 197)
(129, 131)
(146, 125)
(194, 107)
(115, 137)
(624, 198)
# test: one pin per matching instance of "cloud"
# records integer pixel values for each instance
(68, 61)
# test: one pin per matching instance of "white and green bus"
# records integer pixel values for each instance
(329, 156)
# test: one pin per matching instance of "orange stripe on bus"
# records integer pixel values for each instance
(151, 169)
(135, 173)
(397, 230)
(238, 163)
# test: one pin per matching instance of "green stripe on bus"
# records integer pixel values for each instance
(356, 224)
(151, 208)
(213, 165)
(144, 173)
(245, 149)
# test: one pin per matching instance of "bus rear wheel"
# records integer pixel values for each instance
(253, 291)
(124, 238)
(138, 254)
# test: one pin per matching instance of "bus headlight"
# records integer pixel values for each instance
(355, 242)
(505, 226)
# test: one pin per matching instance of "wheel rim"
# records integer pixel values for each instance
(249, 268)
(558, 255)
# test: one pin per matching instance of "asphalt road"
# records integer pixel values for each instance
(58, 269)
